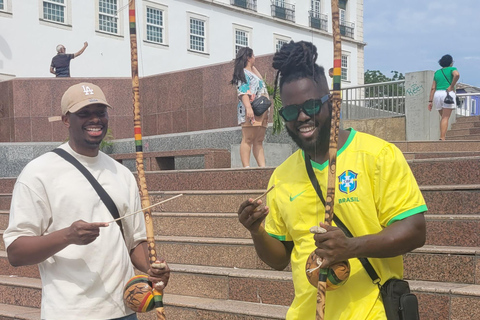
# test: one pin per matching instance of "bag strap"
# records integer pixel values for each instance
(107, 200)
(313, 179)
(449, 82)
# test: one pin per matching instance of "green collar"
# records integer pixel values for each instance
(322, 166)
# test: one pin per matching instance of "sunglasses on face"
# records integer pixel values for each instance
(310, 108)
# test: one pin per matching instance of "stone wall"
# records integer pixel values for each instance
(390, 129)
(190, 100)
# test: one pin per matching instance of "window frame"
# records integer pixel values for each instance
(247, 30)
(277, 38)
(195, 16)
(316, 13)
(67, 13)
(164, 9)
(7, 8)
(119, 15)
(345, 57)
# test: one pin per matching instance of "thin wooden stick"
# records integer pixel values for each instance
(332, 150)
(264, 194)
(141, 210)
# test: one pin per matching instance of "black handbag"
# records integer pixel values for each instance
(398, 302)
(260, 105)
(448, 99)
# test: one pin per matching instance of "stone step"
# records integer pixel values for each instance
(431, 263)
(443, 264)
(467, 119)
(25, 293)
(6, 184)
(472, 137)
(441, 199)
(15, 312)
(463, 170)
(437, 146)
(442, 301)
(463, 132)
(436, 155)
(443, 230)
(466, 125)
(447, 301)
(239, 253)
(453, 230)
(451, 199)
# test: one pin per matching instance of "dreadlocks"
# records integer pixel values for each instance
(296, 60)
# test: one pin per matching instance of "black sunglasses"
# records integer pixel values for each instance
(310, 108)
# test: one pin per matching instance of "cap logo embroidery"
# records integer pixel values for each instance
(87, 90)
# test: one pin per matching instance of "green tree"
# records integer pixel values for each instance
(376, 76)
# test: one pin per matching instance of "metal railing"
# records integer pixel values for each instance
(246, 4)
(318, 21)
(375, 100)
(285, 11)
(347, 28)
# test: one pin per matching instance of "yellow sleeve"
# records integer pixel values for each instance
(397, 195)
(274, 223)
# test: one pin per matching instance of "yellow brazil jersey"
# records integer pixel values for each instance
(374, 188)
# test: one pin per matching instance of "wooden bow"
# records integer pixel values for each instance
(332, 150)
(142, 182)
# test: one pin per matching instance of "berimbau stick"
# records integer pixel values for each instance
(141, 210)
(264, 194)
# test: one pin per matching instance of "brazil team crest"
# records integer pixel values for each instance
(347, 181)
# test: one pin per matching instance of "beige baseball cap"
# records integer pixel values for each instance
(81, 95)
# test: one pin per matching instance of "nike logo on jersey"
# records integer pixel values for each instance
(294, 197)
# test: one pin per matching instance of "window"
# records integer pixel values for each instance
(2, 5)
(246, 4)
(54, 10)
(316, 8)
(241, 39)
(279, 41)
(155, 25)
(242, 36)
(345, 67)
(283, 10)
(317, 19)
(198, 30)
(108, 16)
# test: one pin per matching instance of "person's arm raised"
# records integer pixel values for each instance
(85, 45)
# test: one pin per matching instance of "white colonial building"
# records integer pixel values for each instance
(172, 34)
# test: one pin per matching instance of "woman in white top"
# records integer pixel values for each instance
(249, 86)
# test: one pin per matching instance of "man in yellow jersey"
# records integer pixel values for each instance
(376, 198)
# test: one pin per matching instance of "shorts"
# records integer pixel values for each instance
(260, 121)
(438, 98)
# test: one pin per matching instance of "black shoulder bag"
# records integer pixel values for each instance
(107, 200)
(457, 99)
(399, 303)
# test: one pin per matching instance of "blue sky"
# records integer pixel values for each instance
(412, 35)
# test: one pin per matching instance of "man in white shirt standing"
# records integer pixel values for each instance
(58, 221)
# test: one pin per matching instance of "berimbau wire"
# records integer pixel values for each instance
(153, 205)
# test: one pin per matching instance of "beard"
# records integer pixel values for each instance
(319, 144)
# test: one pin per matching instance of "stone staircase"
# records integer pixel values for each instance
(465, 128)
(217, 275)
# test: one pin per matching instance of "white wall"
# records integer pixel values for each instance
(27, 44)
